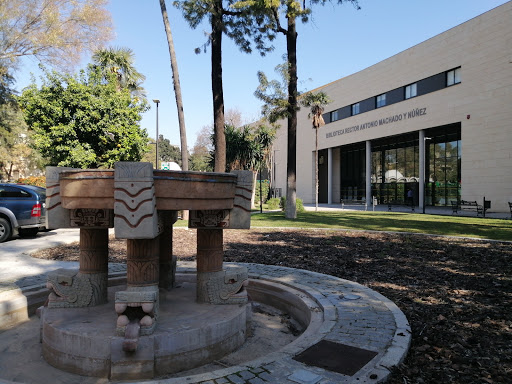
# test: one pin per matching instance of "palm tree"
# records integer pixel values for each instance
(119, 62)
(177, 88)
(248, 149)
(316, 101)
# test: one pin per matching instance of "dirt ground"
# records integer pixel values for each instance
(456, 293)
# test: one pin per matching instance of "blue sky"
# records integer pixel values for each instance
(337, 42)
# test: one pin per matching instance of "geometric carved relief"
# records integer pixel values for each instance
(91, 218)
(218, 218)
(240, 215)
(56, 215)
(135, 214)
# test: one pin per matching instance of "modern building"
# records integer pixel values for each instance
(435, 119)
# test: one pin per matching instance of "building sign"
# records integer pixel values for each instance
(165, 165)
(416, 112)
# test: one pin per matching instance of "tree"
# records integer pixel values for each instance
(177, 87)
(316, 101)
(291, 10)
(119, 62)
(248, 148)
(239, 25)
(81, 121)
(55, 32)
(200, 159)
(15, 150)
(169, 152)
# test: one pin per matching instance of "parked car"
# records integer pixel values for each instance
(22, 210)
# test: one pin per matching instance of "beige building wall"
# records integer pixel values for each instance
(482, 103)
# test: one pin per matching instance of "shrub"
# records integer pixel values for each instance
(273, 203)
(38, 181)
(298, 202)
(265, 187)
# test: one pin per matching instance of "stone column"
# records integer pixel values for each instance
(329, 176)
(369, 201)
(94, 261)
(167, 260)
(142, 262)
(422, 170)
(210, 250)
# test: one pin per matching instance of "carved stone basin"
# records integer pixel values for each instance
(88, 188)
(174, 190)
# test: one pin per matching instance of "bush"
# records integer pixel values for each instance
(298, 202)
(273, 203)
(38, 181)
(265, 187)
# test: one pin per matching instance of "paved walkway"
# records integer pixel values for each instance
(445, 211)
(353, 318)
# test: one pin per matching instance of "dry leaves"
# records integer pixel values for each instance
(456, 293)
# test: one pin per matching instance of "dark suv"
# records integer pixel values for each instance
(22, 210)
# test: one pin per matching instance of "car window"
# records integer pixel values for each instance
(6, 191)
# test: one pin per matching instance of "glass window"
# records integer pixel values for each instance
(411, 91)
(355, 109)
(381, 100)
(453, 77)
(334, 115)
(7, 191)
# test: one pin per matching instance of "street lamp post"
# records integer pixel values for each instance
(156, 101)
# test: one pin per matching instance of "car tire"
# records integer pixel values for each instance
(5, 230)
(28, 232)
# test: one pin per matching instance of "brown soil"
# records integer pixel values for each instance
(456, 293)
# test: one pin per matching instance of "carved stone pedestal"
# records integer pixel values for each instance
(86, 287)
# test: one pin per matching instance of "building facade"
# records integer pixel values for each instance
(435, 119)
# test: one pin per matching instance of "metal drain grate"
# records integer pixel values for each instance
(336, 357)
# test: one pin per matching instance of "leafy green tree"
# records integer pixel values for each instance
(81, 121)
(241, 25)
(168, 152)
(15, 150)
(316, 102)
(55, 32)
(119, 62)
(289, 10)
(200, 158)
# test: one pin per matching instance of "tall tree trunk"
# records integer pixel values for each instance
(217, 89)
(177, 88)
(291, 187)
(316, 169)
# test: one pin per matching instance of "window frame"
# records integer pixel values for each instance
(455, 72)
(355, 109)
(410, 87)
(380, 100)
(335, 115)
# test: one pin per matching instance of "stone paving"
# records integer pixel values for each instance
(346, 312)
(353, 315)
(342, 311)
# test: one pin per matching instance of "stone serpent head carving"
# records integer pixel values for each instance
(137, 312)
(223, 287)
(68, 289)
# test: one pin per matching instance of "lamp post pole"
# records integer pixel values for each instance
(156, 101)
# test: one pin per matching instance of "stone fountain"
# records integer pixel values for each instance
(135, 338)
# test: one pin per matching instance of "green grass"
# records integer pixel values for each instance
(485, 228)
(496, 229)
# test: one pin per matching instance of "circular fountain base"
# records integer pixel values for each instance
(188, 335)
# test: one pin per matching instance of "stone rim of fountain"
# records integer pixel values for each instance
(328, 292)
